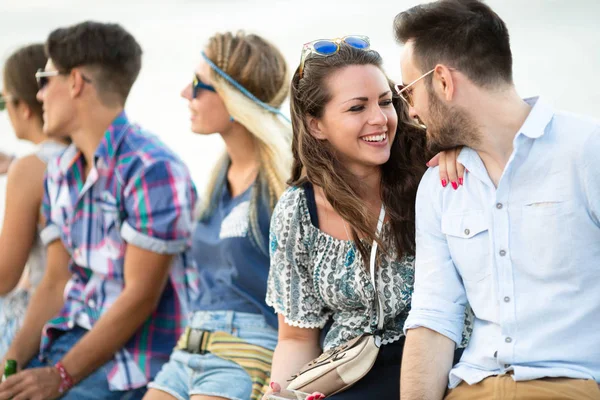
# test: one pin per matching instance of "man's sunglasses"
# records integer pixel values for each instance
(198, 85)
(328, 47)
(42, 76)
(405, 92)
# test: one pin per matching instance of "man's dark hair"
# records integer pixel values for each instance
(112, 54)
(465, 34)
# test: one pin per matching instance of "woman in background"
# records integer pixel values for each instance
(20, 245)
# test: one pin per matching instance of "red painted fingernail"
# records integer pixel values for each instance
(454, 185)
(444, 183)
(311, 397)
(272, 385)
(460, 181)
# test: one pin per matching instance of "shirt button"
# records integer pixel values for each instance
(507, 299)
(499, 206)
(92, 303)
(70, 324)
(502, 253)
(467, 231)
(508, 340)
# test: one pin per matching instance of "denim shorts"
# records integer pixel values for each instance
(189, 374)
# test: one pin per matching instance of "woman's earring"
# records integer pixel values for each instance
(231, 118)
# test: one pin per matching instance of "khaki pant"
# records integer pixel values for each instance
(504, 387)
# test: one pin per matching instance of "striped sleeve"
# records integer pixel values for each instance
(159, 202)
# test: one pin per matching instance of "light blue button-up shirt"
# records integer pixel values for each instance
(524, 255)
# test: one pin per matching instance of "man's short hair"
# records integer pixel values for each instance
(109, 51)
(465, 34)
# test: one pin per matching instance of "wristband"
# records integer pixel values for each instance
(66, 381)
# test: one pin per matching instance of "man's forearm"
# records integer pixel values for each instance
(426, 362)
(45, 303)
(109, 334)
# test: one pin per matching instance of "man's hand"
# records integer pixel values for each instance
(32, 384)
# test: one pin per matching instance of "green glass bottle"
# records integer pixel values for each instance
(10, 368)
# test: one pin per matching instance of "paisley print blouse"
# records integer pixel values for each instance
(314, 277)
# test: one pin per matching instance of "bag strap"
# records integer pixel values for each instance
(380, 315)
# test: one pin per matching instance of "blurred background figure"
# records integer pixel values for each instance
(20, 244)
(5, 159)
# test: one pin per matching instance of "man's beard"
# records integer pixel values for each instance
(449, 127)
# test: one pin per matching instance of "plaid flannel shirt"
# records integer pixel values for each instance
(137, 192)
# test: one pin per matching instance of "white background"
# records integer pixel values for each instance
(555, 43)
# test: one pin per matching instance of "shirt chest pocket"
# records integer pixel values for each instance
(468, 240)
(110, 222)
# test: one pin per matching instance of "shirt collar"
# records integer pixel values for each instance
(112, 138)
(538, 119)
(68, 158)
(534, 127)
(106, 149)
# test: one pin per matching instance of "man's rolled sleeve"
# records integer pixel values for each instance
(439, 298)
(159, 203)
(50, 232)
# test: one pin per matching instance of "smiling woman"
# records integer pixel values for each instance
(355, 152)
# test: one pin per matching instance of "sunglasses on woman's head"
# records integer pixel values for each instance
(328, 47)
(198, 85)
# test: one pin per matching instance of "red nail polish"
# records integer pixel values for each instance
(272, 385)
(444, 183)
(454, 185)
(460, 181)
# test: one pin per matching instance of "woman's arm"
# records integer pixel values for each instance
(24, 191)
(295, 348)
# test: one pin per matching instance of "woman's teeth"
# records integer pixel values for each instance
(375, 138)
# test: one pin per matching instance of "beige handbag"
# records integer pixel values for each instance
(341, 367)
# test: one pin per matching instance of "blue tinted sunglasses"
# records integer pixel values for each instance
(328, 47)
(198, 85)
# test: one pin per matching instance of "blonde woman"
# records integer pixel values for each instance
(238, 87)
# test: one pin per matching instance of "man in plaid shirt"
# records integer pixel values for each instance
(118, 207)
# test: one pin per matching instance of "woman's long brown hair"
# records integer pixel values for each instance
(315, 160)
